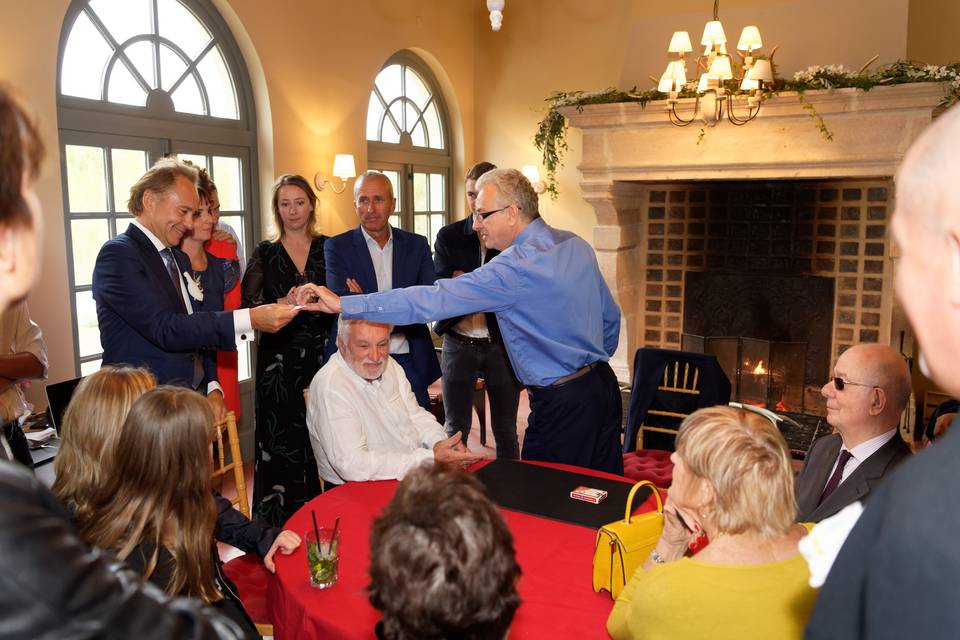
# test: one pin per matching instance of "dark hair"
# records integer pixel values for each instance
(294, 180)
(479, 169)
(159, 178)
(442, 563)
(21, 152)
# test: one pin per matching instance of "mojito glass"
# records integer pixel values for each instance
(323, 555)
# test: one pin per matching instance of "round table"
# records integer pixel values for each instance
(556, 559)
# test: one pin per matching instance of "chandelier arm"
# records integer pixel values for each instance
(751, 114)
(675, 118)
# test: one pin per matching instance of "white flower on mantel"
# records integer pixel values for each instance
(193, 286)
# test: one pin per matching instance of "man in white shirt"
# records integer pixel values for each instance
(23, 356)
(364, 421)
(866, 396)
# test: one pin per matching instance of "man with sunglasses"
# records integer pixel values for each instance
(865, 398)
(556, 315)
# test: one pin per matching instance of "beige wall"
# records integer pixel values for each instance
(934, 31)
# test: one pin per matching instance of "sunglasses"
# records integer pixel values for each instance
(840, 383)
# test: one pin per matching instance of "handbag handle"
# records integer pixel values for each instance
(633, 492)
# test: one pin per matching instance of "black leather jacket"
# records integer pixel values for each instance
(54, 586)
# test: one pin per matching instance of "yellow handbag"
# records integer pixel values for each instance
(622, 546)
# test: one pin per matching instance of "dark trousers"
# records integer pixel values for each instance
(577, 422)
(462, 364)
(416, 380)
(19, 445)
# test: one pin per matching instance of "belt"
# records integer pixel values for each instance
(579, 373)
(473, 342)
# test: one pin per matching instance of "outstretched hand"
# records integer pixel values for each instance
(314, 297)
(452, 452)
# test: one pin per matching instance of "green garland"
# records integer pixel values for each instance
(550, 138)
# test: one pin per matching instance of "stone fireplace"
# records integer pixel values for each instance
(767, 229)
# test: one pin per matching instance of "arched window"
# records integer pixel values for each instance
(407, 139)
(137, 80)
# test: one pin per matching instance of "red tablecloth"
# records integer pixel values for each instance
(556, 559)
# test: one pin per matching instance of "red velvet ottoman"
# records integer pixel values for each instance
(649, 464)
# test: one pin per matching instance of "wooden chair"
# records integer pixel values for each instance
(675, 399)
(229, 459)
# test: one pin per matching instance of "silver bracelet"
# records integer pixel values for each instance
(656, 557)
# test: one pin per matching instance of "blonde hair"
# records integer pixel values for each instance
(158, 493)
(91, 427)
(745, 459)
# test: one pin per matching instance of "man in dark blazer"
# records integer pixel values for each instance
(896, 574)
(377, 257)
(472, 344)
(865, 398)
(144, 300)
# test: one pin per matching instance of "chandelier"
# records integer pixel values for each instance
(715, 68)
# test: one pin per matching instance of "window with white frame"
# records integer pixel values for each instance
(138, 80)
(408, 140)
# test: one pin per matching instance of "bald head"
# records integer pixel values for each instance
(887, 369)
(926, 181)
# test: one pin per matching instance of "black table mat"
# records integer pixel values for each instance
(545, 492)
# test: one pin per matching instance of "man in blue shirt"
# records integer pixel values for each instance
(558, 320)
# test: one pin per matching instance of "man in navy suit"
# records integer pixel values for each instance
(472, 344)
(144, 299)
(376, 257)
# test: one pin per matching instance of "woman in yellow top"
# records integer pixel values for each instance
(733, 481)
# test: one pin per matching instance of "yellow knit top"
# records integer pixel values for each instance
(691, 599)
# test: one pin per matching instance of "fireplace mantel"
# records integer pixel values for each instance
(630, 151)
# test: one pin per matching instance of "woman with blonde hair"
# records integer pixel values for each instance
(91, 426)
(733, 482)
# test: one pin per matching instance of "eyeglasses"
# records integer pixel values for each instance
(479, 216)
(840, 383)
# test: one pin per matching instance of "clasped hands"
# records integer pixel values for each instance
(453, 453)
(314, 297)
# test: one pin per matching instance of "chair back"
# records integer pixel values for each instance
(228, 459)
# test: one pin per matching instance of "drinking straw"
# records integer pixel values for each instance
(316, 529)
(336, 525)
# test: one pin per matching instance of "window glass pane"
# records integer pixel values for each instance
(394, 177)
(87, 328)
(437, 192)
(123, 18)
(432, 118)
(421, 225)
(86, 179)
(219, 86)
(396, 110)
(186, 99)
(123, 88)
(84, 59)
(236, 223)
(226, 174)
(128, 166)
(420, 192)
(180, 26)
(87, 236)
(395, 222)
(141, 54)
(389, 133)
(416, 90)
(91, 366)
(374, 113)
(198, 160)
(419, 136)
(388, 81)
(171, 67)
(436, 223)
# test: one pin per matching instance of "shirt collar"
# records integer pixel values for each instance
(868, 447)
(152, 238)
(532, 228)
(369, 238)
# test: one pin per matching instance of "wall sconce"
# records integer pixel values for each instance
(495, 7)
(343, 168)
(532, 173)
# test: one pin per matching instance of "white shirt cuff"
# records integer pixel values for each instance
(242, 325)
(214, 386)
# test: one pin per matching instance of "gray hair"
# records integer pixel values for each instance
(371, 174)
(515, 189)
(343, 326)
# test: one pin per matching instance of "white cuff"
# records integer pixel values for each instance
(214, 386)
(242, 325)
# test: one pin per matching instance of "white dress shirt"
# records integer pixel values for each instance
(383, 265)
(242, 325)
(861, 452)
(19, 334)
(367, 430)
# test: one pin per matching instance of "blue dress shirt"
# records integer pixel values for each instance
(555, 311)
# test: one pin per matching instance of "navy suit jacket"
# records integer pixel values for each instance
(142, 319)
(347, 256)
(458, 249)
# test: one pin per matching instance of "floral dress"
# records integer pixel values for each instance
(285, 472)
